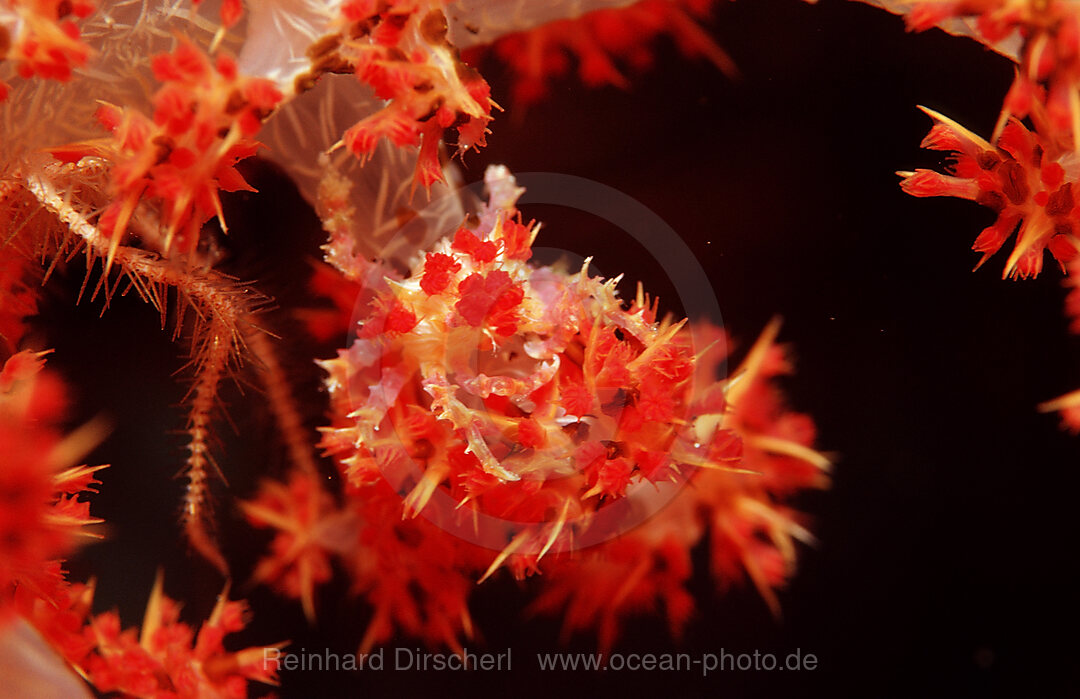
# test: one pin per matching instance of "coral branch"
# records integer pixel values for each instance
(282, 403)
(217, 349)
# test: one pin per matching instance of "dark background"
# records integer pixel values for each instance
(947, 556)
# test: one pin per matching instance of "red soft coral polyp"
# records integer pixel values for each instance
(1021, 178)
(203, 121)
(41, 519)
(400, 48)
(492, 301)
(46, 43)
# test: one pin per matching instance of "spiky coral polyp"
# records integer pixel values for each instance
(1022, 177)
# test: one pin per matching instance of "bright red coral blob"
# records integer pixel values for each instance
(490, 300)
(438, 271)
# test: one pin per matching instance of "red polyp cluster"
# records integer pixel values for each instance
(508, 356)
(41, 37)
(1025, 180)
(204, 121)
(42, 520)
(760, 457)
(308, 528)
(400, 48)
(166, 657)
(604, 43)
(638, 573)
(44, 516)
(1025, 176)
(417, 577)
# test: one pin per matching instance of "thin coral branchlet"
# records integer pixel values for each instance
(137, 201)
(224, 311)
